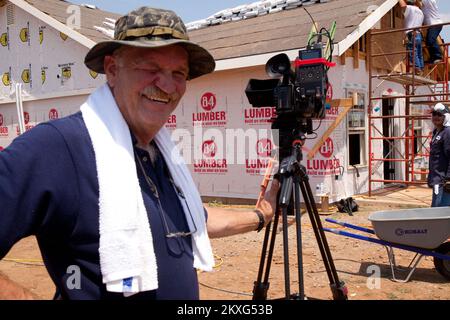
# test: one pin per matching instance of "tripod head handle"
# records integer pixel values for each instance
(285, 191)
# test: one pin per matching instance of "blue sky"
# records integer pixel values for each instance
(444, 7)
(188, 10)
(199, 9)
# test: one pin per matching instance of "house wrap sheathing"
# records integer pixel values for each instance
(40, 51)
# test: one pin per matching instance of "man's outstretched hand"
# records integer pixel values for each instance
(224, 222)
(268, 204)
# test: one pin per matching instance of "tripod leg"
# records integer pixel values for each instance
(287, 278)
(301, 283)
(337, 287)
(261, 287)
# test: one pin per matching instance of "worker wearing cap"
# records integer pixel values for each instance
(439, 164)
(432, 17)
(111, 202)
(414, 19)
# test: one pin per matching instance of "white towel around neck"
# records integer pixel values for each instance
(127, 258)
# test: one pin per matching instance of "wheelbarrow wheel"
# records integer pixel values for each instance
(443, 266)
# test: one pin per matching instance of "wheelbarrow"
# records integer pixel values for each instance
(424, 231)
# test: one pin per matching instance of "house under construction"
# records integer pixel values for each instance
(382, 140)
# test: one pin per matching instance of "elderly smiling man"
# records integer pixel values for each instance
(105, 190)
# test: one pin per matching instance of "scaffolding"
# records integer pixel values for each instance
(406, 147)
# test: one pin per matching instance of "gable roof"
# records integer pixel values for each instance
(243, 43)
(54, 12)
(288, 29)
(89, 17)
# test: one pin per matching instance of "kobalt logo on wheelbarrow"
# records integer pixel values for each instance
(401, 232)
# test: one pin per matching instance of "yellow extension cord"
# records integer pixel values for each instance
(39, 262)
(31, 262)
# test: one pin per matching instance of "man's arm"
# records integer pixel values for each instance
(403, 5)
(33, 188)
(223, 223)
(9, 290)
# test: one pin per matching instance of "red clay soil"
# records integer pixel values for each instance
(237, 260)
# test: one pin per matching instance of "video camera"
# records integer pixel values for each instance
(299, 95)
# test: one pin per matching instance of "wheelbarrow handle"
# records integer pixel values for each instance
(351, 226)
(424, 252)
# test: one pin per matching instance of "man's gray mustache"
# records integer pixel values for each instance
(155, 92)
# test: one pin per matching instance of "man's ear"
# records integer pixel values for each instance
(110, 67)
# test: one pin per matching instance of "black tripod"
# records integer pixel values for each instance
(294, 179)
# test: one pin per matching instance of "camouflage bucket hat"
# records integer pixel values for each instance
(151, 28)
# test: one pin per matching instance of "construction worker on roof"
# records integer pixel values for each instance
(432, 17)
(413, 19)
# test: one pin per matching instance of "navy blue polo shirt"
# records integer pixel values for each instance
(49, 188)
(439, 162)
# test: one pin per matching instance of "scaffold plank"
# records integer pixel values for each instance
(407, 79)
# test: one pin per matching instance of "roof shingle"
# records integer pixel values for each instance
(285, 30)
(89, 17)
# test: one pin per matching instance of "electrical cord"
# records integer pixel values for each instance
(28, 262)
(357, 170)
(341, 167)
(320, 123)
(320, 33)
(220, 263)
(249, 294)
(312, 19)
(217, 257)
(226, 291)
(323, 32)
(330, 58)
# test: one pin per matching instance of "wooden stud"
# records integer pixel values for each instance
(368, 53)
(347, 104)
(356, 55)
(342, 59)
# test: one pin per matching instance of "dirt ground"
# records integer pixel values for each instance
(237, 260)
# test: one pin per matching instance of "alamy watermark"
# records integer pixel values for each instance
(374, 279)
(232, 146)
(73, 281)
(73, 21)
